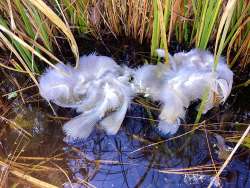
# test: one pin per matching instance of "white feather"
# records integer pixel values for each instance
(101, 91)
(98, 87)
(57, 87)
(173, 108)
(82, 125)
(112, 123)
(148, 79)
(92, 96)
(160, 52)
(169, 128)
(93, 66)
(182, 81)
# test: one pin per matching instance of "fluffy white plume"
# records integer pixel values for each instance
(101, 90)
(82, 125)
(168, 128)
(98, 89)
(56, 86)
(112, 122)
(148, 79)
(182, 81)
(160, 52)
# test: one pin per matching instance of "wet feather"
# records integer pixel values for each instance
(182, 81)
(99, 88)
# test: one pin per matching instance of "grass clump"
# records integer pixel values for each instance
(194, 23)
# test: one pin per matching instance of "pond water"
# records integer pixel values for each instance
(138, 156)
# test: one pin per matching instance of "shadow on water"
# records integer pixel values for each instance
(131, 158)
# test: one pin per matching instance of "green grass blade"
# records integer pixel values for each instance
(26, 20)
(156, 30)
(212, 12)
(42, 30)
(202, 105)
(223, 29)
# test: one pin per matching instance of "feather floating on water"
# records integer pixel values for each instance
(101, 90)
(98, 89)
(183, 80)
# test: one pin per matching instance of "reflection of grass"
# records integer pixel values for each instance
(30, 166)
(202, 169)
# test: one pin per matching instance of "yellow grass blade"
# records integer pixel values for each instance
(232, 42)
(216, 177)
(47, 11)
(9, 45)
(163, 30)
(24, 44)
(34, 181)
(222, 30)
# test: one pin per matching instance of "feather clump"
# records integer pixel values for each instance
(99, 89)
(182, 81)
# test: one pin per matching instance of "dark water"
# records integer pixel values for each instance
(130, 158)
(115, 161)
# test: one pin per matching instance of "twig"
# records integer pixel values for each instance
(209, 149)
(229, 157)
(163, 141)
(32, 180)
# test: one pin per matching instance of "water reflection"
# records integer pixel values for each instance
(110, 161)
(123, 160)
